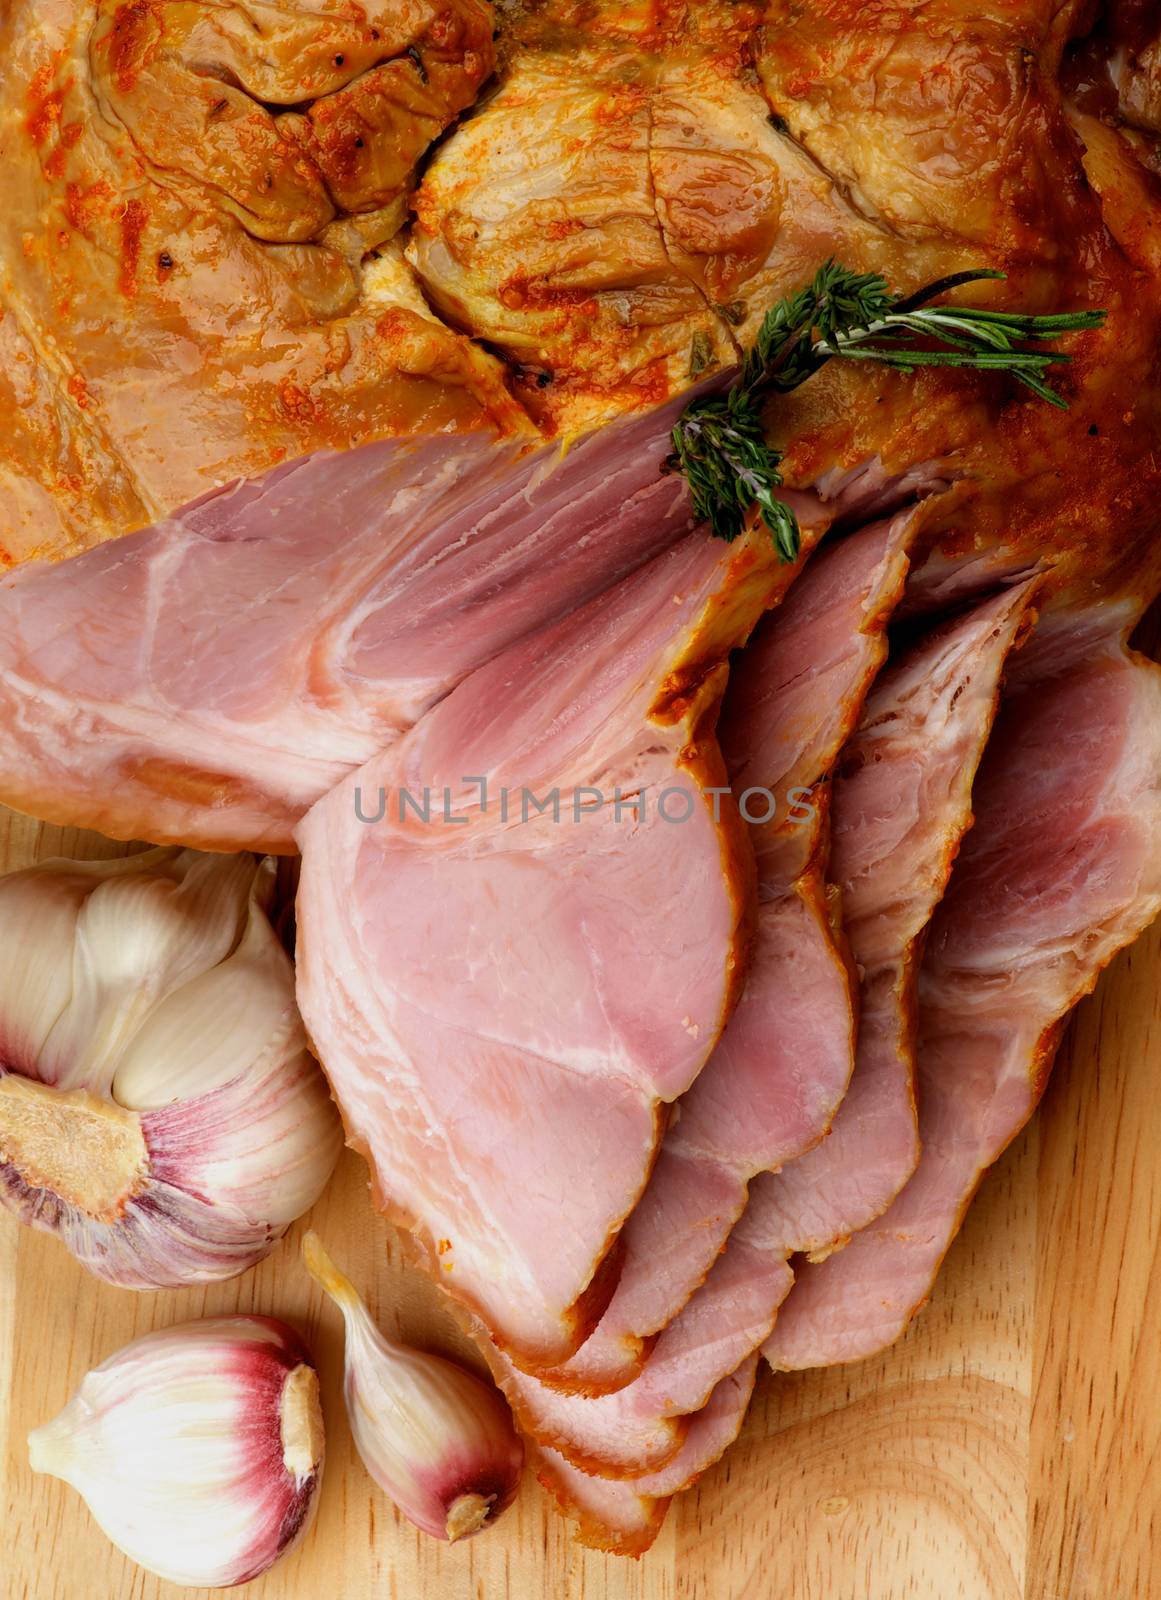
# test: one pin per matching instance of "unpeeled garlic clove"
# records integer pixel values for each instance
(198, 1449)
(434, 1436)
(159, 1108)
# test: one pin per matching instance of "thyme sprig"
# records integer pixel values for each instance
(719, 442)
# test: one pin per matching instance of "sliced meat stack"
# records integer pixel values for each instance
(901, 802)
(208, 679)
(643, 1427)
(1062, 868)
(509, 988)
(771, 1087)
(1080, 866)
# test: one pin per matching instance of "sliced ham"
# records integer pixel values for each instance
(625, 1516)
(642, 1426)
(1062, 868)
(902, 796)
(208, 679)
(772, 1086)
(902, 803)
(505, 1000)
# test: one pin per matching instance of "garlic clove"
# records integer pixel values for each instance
(198, 1449)
(192, 1040)
(435, 1437)
(35, 981)
(263, 1145)
(193, 1126)
(141, 936)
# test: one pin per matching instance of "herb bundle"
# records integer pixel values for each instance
(718, 441)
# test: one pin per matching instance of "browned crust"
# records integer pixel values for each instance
(596, 1535)
(423, 1252)
(676, 1429)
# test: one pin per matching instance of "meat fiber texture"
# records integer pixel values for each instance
(901, 802)
(506, 993)
(182, 314)
(772, 1086)
(624, 1516)
(208, 679)
(902, 805)
(642, 1427)
(1062, 869)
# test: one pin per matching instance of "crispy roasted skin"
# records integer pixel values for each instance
(964, 136)
(190, 191)
(202, 248)
(684, 166)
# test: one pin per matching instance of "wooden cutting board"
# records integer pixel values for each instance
(1008, 1449)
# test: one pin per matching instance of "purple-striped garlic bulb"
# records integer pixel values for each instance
(198, 1449)
(159, 1109)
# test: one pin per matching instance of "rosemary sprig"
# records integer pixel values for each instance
(718, 441)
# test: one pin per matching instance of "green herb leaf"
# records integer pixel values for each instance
(718, 441)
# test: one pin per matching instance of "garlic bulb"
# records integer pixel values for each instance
(436, 1438)
(159, 1108)
(198, 1449)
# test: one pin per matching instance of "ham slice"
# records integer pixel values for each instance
(902, 796)
(624, 1517)
(902, 803)
(772, 1086)
(207, 680)
(1062, 868)
(505, 997)
(642, 1427)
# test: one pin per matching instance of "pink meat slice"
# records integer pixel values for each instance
(1062, 869)
(641, 1427)
(504, 997)
(625, 1516)
(902, 797)
(208, 679)
(780, 1070)
(902, 803)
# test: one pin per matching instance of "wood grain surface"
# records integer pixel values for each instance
(1008, 1449)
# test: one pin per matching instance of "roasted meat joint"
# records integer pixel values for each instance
(591, 565)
